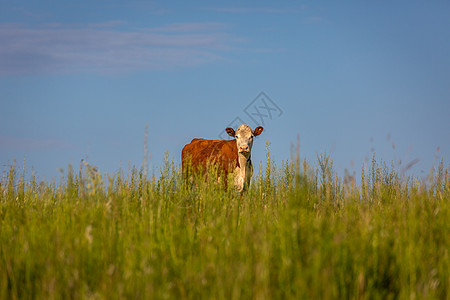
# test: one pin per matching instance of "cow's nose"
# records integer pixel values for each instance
(243, 148)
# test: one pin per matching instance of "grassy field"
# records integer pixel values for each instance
(300, 232)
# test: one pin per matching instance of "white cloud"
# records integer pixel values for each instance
(58, 49)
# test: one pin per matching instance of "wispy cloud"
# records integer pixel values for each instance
(271, 10)
(103, 48)
(190, 27)
(314, 20)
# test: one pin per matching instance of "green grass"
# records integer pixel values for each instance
(300, 232)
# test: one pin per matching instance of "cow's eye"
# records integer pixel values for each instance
(237, 136)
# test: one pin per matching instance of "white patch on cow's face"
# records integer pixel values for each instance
(244, 140)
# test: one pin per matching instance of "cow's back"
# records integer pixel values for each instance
(199, 152)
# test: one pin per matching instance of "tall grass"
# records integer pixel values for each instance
(300, 232)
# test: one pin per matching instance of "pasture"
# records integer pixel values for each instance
(300, 232)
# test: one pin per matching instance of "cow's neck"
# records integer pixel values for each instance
(243, 171)
(243, 160)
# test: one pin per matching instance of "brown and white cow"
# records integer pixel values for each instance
(229, 156)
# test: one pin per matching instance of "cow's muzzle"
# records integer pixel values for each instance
(244, 149)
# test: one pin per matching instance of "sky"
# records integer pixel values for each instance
(83, 79)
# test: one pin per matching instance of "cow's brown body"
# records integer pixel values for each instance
(199, 152)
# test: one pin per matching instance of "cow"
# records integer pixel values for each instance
(233, 156)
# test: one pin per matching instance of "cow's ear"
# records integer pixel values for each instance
(230, 131)
(258, 131)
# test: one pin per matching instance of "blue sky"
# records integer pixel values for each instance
(81, 79)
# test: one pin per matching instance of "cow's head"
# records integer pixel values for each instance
(244, 137)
